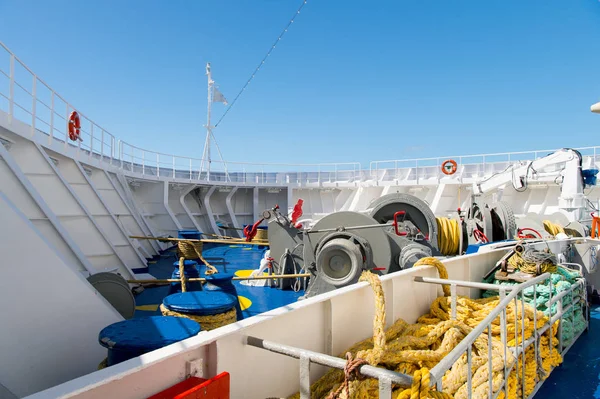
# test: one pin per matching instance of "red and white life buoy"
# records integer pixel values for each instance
(74, 126)
(449, 167)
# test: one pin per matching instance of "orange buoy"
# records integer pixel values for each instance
(449, 167)
(74, 126)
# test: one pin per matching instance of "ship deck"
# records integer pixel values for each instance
(577, 377)
(237, 259)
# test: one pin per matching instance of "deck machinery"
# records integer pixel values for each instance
(392, 234)
(398, 229)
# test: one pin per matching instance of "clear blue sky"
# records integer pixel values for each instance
(350, 81)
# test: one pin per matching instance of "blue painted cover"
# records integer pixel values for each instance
(189, 234)
(219, 278)
(147, 333)
(200, 303)
(186, 264)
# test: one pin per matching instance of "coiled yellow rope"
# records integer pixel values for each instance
(206, 322)
(448, 236)
(414, 349)
(533, 262)
(193, 250)
(552, 228)
(441, 269)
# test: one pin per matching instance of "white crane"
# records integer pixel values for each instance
(565, 162)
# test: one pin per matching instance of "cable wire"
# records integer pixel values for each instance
(261, 62)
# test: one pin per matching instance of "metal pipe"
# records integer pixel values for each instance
(176, 280)
(326, 360)
(446, 363)
(343, 228)
(468, 284)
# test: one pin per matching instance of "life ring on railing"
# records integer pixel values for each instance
(74, 126)
(449, 167)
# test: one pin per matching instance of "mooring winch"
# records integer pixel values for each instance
(341, 245)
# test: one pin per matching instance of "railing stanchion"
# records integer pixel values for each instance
(33, 104)
(51, 116)
(11, 89)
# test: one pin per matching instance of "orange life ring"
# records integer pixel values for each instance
(74, 126)
(449, 167)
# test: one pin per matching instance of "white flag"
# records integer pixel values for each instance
(218, 97)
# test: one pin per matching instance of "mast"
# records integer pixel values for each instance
(206, 153)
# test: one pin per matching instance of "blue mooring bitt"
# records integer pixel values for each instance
(190, 270)
(189, 234)
(225, 283)
(132, 338)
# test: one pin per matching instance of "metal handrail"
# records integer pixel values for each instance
(438, 371)
(99, 143)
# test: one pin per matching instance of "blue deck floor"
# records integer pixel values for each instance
(579, 375)
(226, 258)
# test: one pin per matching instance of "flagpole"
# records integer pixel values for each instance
(206, 153)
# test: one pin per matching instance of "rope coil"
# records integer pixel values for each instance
(416, 348)
(350, 373)
(206, 322)
(531, 261)
(190, 250)
(448, 236)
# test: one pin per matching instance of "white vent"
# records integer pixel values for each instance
(87, 171)
(54, 161)
(273, 190)
(224, 189)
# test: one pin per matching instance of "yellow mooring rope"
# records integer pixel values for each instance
(206, 322)
(532, 262)
(416, 348)
(190, 250)
(193, 250)
(448, 236)
(554, 229)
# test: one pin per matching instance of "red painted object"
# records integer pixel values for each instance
(398, 232)
(521, 235)
(250, 231)
(198, 388)
(296, 213)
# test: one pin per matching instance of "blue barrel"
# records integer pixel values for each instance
(225, 283)
(131, 338)
(189, 234)
(190, 270)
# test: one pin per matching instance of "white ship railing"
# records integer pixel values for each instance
(26, 97)
(468, 166)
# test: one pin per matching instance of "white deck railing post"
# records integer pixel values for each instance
(11, 89)
(51, 116)
(33, 104)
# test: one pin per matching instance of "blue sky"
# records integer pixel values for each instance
(350, 81)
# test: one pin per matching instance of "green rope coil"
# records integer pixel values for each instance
(573, 321)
